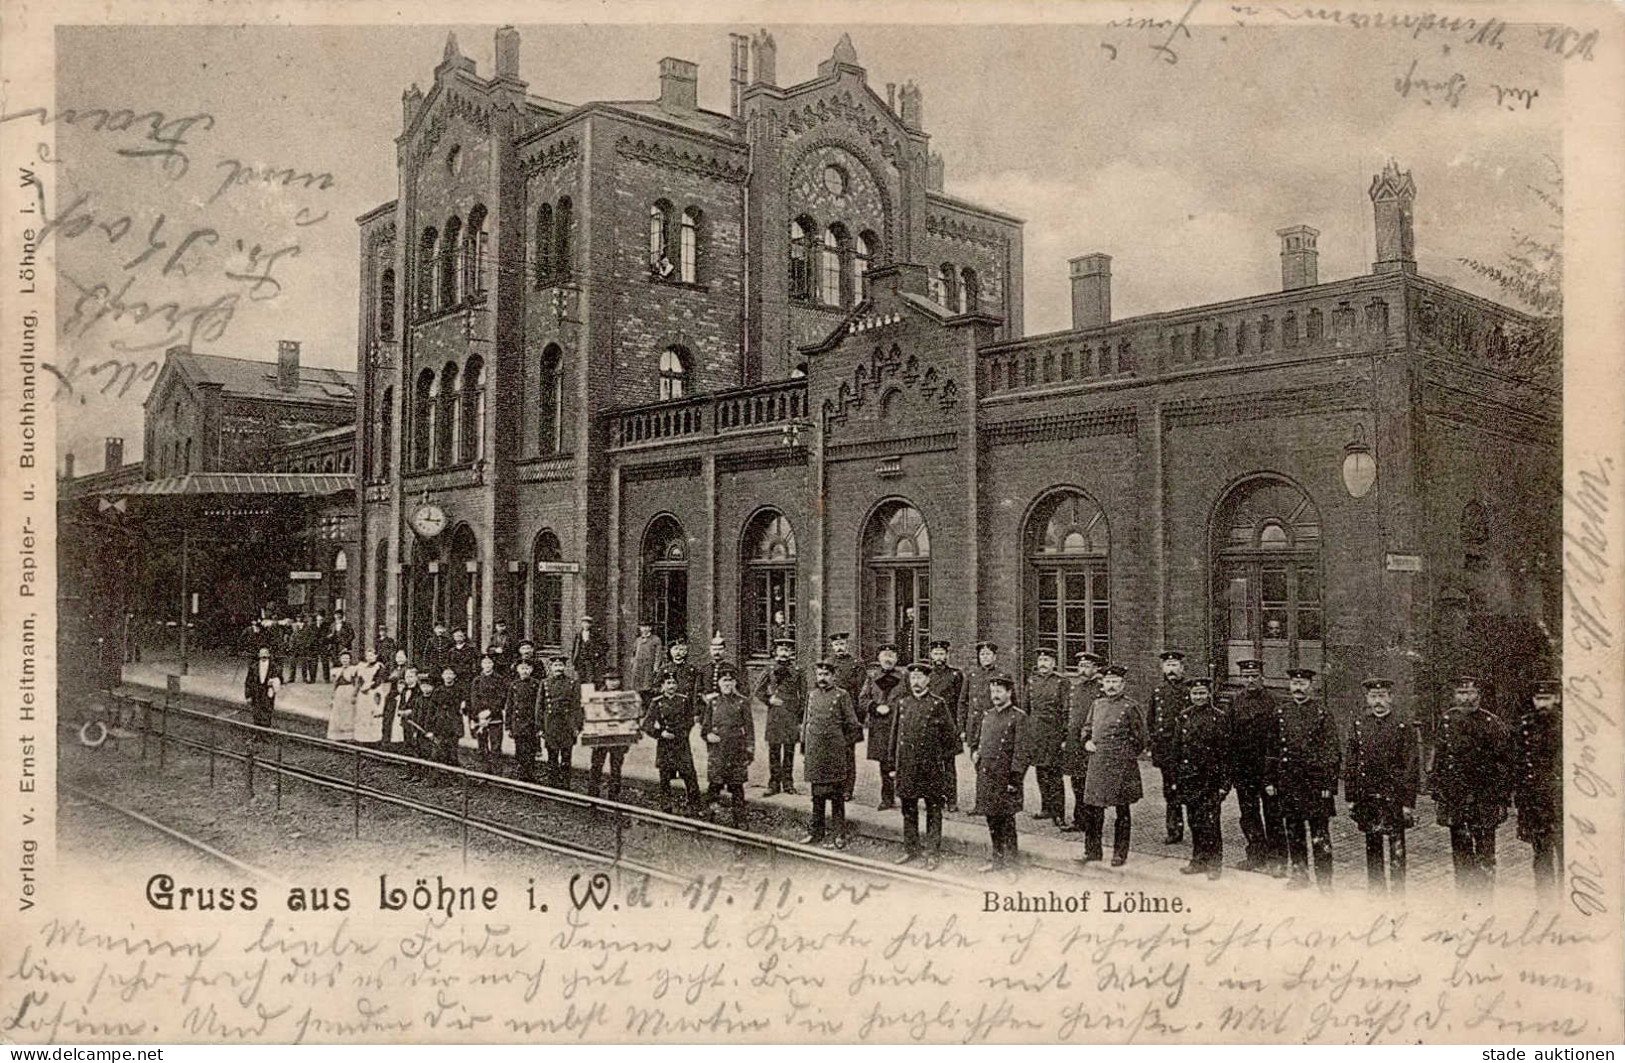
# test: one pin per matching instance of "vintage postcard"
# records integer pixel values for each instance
(818, 523)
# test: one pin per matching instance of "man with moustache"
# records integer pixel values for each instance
(648, 656)
(1538, 781)
(1302, 776)
(828, 729)
(922, 737)
(783, 689)
(1082, 691)
(948, 683)
(729, 728)
(849, 676)
(486, 697)
(1197, 765)
(875, 707)
(1001, 771)
(432, 656)
(669, 720)
(1255, 735)
(1380, 781)
(1472, 784)
(562, 720)
(1163, 709)
(519, 713)
(1047, 692)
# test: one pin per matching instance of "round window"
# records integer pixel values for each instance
(835, 180)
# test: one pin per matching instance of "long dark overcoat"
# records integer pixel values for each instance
(789, 687)
(1472, 771)
(829, 730)
(1117, 727)
(673, 713)
(1001, 761)
(924, 739)
(1046, 718)
(882, 689)
(1380, 772)
(729, 717)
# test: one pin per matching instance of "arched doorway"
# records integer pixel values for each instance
(1068, 609)
(463, 583)
(896, 551)
(428, 577)
(663, 591)
(1267, 592)
(546, 627)
(767, 590)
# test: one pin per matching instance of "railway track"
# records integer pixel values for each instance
(193, 845)
(567, 823)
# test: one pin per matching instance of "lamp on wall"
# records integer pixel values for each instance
(1359, 467)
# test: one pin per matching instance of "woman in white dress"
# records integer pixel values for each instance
(372, 685)
(341, 719)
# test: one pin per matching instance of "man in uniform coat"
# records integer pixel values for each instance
(385, 646)
(419, 726)
(1162, 712)
(1538, 785)
(519, 714)
(1114, 737)
(729, 728)
(976, 698)
(1302, 776)
(706, 671)
(828, 730)
(1380, 782)
(463, 656)
(1047, 692)
(302, 646)
(875, 708)
(612, 755)
(1001, 770)
(923, 735)
(1084, 688)
(669, 719)
(688, 677)
(432, 657)
(260, 686)
(589, 655)
(340, 637)
(1196, 764)
(445, 723)
(1472, 783)
(499, 646)
(527, 652)
(562, 720)
(948, 683)
(486, 697)
(403, 703)
(1255, 725)
(648, 655)
(849, 676)
(783, 690)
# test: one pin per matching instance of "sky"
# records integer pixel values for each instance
(1181, 164)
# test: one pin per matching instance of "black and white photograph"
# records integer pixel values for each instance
(1053, 523)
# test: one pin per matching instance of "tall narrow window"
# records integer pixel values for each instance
(689, 247)
(445, 448)
(386, 434)
(563, 221)
(386, 305)
(1266, 578)
(673, 373)
(950, 285)
(767, 592)
(423, 421)
(829, 272)
(663, 586)
(1068, 609)
(863, 260)
(427, 250)
(547, 608)
(896, 550)
(550, 409)
(472, 435)
(970, 288)
(1317, 325)
(801, 277)
(1289, 330)
(659, 243)
(451, 251)
(544, 244)
(474, 252)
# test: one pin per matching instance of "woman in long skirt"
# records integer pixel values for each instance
(372, 686)
(341, 718)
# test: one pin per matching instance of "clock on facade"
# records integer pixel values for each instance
(835, 180)
(428, 520)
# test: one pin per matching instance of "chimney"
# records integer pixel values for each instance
(114, 453)
(913, 107)
(508, 53)
(738, 72)
(411, 100)
(934, 171)
(1392, 195)
(679, 84)
(67, 470)
(287, 365)
(765, 53)
(1091, 291)
(891, 96)
(1300, 262)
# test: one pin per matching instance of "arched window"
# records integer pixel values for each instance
(423, 415)
(1068, 608)
(547, 603)
(562, 251)
(1289, 330)
(936, 287)
(689, 247)
(187, 466)
(544, 244)
(462, 581)
(1267, 602)
(386, 435)
(472, 431)
(767, 592)
(830, 273)
(864, 259)
(674, 364)
(474, 252)
(427, 246)
(896, 551)
(380, 592)
(970, 290)
(451, 255)
(1317, 325)
(1266, 333)
(660, 239)
(550, 402)
(329, 464)
(445, 444)
(801, 276)
(386, 305)
(1376, 317)
(663, 587)
(950, 285)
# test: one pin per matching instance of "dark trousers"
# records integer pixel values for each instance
(1002, 832)
(1548, 846)
(950, 783)
(1079, 809)
(524, 757)
(691, 783)
(1051, 792)
(1472, 850)
(490, 743)
(262, 713)
(558, 765)
(933, 824)
(781, 764)
(615, 756)
(1306, 835)
(1174, 810)
(736, 790)
(445, 750)
(1207, 841)
(1260, 823)
(327, 667)
(307, 669)
(888, 784)
(851, 771)
(1094, 825)
(836, 804)
(1385, 873)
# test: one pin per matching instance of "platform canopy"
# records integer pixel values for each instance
(302, 484)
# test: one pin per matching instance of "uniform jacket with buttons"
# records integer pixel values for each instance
(923, 740)
(1306, 758)
(1538, 763)
(1162, 710)
(1472, 770)
(1198, 755)
(1046, 718)
(1001, 761)
(1381, 771)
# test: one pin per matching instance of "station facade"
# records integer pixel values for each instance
(756, 373)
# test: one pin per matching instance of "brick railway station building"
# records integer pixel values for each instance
(756, 371)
